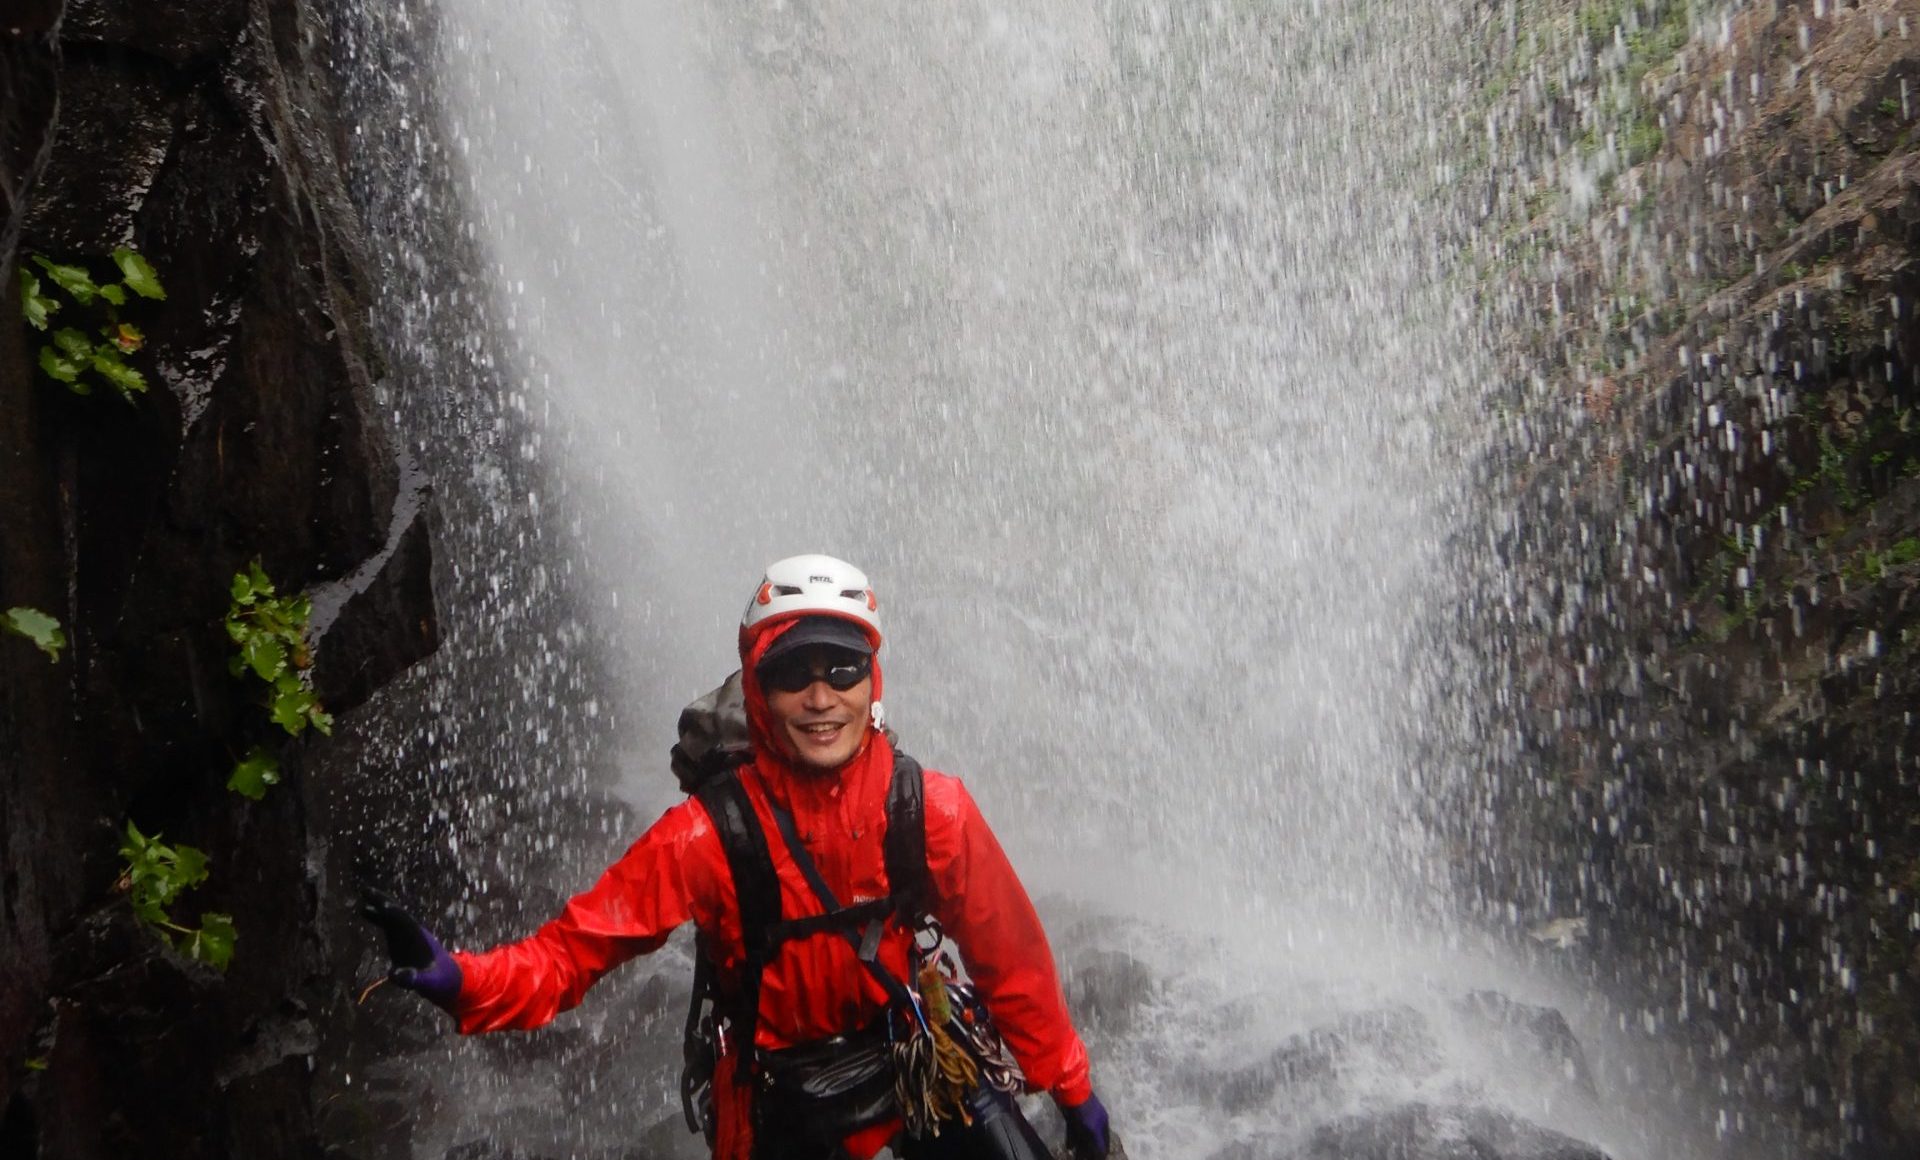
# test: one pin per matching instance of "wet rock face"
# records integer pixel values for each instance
(181, 35)
(28, 60)
(198, 134)
(1716, 674)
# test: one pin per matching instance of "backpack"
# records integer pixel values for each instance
(713, 736)
(713, 745)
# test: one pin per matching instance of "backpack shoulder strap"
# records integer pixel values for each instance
(757, 889)
(757, 886)
(908, 880)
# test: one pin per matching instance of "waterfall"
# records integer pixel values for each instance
(1121, 344)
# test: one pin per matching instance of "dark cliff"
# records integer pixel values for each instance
(202, 136)
(1699, 252)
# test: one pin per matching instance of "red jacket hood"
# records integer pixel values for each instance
(769, 752)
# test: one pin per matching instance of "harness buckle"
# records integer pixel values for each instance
(870, 941)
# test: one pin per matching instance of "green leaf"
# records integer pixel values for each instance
(213, 943)
(37, 1063)
(36, 626)
(72, 343)
(265, 655)
(35, 305)
(60, 368)
(107, 363)
(254, 773)
(189, 865)
(73, 279)
(272, 634)
(157, 873)
(148, 908)
(139, 274)
(270, 617)
(114, 294)
(291, 709)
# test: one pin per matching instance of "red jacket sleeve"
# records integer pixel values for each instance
(630, 911)
(985, 909)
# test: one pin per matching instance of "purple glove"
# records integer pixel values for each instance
(1088, 1136)
(420, 963)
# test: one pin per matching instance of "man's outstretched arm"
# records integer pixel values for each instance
(630, 911)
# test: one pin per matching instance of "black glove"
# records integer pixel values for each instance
(420, 963)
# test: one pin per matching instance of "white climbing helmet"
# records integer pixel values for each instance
(816, 585)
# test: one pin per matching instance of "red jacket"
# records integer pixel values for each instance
(814, 987)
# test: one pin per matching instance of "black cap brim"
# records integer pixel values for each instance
(819, 630)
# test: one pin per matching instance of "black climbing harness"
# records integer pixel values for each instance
(718, 1022)
(928, 1069)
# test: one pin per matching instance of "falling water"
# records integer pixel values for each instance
(1121, 344)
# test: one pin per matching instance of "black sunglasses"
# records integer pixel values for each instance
(793, 674)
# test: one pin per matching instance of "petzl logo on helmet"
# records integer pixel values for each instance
(813, 584)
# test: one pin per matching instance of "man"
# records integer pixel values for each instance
(807, 992)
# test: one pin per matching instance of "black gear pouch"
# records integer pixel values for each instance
(827, 1089)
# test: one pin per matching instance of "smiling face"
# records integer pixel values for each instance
(821, 727)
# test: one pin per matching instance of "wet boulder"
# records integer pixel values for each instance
(1420, 1131)
(1393, 1039)
(1105, 989)
(669, 1139)
(1536, 1038)
(491, 1150)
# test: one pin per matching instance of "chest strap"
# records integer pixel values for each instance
(842, 919)
(757, 889)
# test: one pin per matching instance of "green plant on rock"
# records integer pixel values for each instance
(1727, 614)
(1641, 139)
(253, 773)
(155, 877)
(270, 632)
(1874, 564)
(36, 626)
(1832, 471)
(1596, 22)
(1651, 46)
(97, 349)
